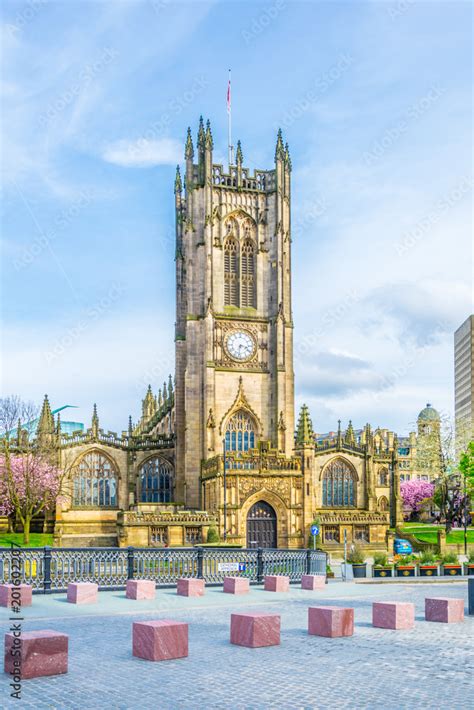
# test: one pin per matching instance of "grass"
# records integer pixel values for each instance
(428, 533)
(36, 539)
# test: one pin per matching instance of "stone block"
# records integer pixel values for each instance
(448, 611)
(82, 592)
(140, 589)
(393, 615)
(330, 621)
(236, 585)
(41, 653)
(17, 595)
(160, 640)
(255, 630)
(276, 583)
(313, 581)
(191, 587)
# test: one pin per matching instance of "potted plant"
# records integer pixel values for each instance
(428, 565)
(329, 572)
(451, 566)
(357, 560)
(469, 565)
(405, 566)
(382, 567)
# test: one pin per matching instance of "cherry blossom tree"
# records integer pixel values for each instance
(29, 485)
(415, 493)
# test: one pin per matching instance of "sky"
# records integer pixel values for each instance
(375, 101)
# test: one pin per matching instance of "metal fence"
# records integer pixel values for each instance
(51, 569)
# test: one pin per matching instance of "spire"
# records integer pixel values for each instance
(95, 421)
(349, 437)
(189, 148)
(165, 394)
(148, 404)
(279, 150)
(46, 419)
(201, 134)
(239, 154)
(178, 185)
(209, 141)
(304, 430)
(170, 387)
(287, 157)
(339, 435)
(130, 425)
(160, 399)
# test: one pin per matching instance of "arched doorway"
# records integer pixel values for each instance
(261, 525)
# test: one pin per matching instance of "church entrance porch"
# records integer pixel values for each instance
(261, 526)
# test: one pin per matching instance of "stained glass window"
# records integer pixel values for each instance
(339, 487)
(240, 432)
(95, 482)
(156, 481)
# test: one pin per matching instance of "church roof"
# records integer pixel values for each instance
(429, 414)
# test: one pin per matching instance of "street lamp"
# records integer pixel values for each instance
(224, 460)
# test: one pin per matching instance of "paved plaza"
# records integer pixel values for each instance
(430, 666)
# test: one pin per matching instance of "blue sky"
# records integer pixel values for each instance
(375, 101)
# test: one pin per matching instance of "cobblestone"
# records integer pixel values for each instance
(430, 666)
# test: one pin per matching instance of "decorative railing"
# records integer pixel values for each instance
(262, 180)
(246, 461)
(51, 569)
(145, 441)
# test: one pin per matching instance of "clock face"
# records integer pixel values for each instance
(240, 345)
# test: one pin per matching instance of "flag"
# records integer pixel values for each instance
(228, 97)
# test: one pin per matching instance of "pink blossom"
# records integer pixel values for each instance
(414, 492)
(29, 483)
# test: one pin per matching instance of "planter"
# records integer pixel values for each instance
(452, 570)
(429, 570)
(382, 572)
(469, 569)
(330, 575)
(359, 570)
(406, 571)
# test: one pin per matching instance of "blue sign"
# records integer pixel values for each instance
(241, 566)
(314, 530)
(402, 547)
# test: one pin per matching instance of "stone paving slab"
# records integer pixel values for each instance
(430, 666)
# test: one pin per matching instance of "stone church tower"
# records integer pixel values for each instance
(234, 329)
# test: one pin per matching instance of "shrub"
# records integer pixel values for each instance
(427, 558)
(213, 534)
(380, 559)
(450, 558)
(470, 557)
(356, 556)
(405, 560)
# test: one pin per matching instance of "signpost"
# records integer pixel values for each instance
(231, 567)
(314, 533)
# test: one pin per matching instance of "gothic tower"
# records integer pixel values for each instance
(234, 329)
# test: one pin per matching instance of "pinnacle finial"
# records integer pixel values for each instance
(239, 155)
(201, 134)
(178, 185)
(304, 430)
(95, 421)
(46, 419)
(287, 157)
(349, 437)
(189, 148)
(279, 150)
(209, 139)
(130, 425)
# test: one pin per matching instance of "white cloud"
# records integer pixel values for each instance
(144, 153)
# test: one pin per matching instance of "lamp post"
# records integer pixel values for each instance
(224, 460)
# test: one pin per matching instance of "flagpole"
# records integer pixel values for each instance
(229, 120)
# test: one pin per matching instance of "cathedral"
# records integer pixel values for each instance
(218, 447)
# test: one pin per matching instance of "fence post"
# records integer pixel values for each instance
(308, 561)
(259, 565)
(200, 559)
(47, 570)
(130, 565)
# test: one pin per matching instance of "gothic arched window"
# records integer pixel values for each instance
(247, 274)
(156, 481)
(240, 434)
(231, 272)
(383, 477)
(383, 504)
(339, 484)
(95, 482)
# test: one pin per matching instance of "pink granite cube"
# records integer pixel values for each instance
(255, 630)
(191, 587)
(393, 615)
(276, 583)
(40, 653)
(313, 581)
(448, 611)
(236, 585)
(140, 589)
(17, 595)
(330, 621)
(160, 640)
(82, 592)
